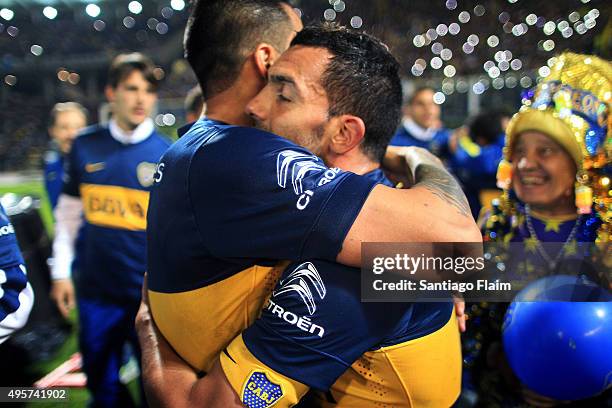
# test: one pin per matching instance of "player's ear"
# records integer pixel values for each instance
(264, 56)
(406, 111)
(109, 92)
(350, 131)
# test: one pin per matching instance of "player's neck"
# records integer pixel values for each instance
(355, 162)
(229, 106)
(124, 125)
(228, 111)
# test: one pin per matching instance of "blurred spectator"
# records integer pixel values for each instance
(477, 151)
(108, 177)
(66, 119)
(194, 105)
(421, 125)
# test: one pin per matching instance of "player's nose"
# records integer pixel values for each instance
(256, 108)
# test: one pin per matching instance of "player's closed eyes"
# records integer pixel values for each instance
(282, 98)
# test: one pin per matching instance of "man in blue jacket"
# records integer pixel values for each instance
(421, 125)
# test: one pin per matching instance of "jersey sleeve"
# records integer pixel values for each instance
(256, 384)
(16, 295)
(314, 326)
(264, 197)
(476, 160)
(70, 177)
(10, 254)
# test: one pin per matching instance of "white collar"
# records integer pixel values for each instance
(142, 132)
(418, 132)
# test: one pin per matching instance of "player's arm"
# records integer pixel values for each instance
(16, 295)
(433, 210)
(168, 380)
(300, 209)
(16, 300)
(68, 218)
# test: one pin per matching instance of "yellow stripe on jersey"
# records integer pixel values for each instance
(200, 323)
(115, 207)
(424, 372)
(256, 384)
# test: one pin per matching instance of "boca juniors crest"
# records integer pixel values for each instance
(260, 392)
(146, 172)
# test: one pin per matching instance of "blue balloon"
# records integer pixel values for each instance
(557, 337)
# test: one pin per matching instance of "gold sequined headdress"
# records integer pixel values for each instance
(572, 106)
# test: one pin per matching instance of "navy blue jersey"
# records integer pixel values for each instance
(228, 197)
(438, 145)
(476, 167)
(53, 168)
(113, 181)
(315, 326)
(16, 295)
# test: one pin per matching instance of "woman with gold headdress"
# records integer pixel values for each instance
(556, 179)
(556, 172)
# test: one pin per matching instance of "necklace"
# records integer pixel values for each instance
(552, 263)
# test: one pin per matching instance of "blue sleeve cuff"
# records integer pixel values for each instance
(339, 213)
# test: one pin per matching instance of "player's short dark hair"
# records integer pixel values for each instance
(486, 126)
(194, 101)
(124, 64)
(221, 34)
(417, 91)
(66, 107)
(361, 79)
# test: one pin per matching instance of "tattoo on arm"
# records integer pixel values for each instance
(441, 183)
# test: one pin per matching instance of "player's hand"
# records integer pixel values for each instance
(417, 155)
(460, 313)
(143, 316)
(396, 168)
(62, 293)
(453, 141)
(145, 290)
(401, 162)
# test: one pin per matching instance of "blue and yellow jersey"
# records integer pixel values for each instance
(315, 332)
(16, 296)
(228, 203)
(113, 181)
(476, 167)
(472, 161)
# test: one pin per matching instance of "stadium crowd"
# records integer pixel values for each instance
(252, 295)
(42, 47)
